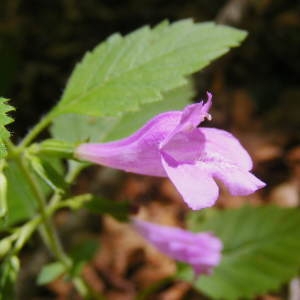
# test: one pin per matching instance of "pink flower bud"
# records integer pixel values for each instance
(201, 250)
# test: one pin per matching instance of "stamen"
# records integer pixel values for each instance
(208, 117)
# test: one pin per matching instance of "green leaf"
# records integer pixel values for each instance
(48, 173)
(50, 272)
(261, 250)
(119, 210)
(176, 99)
(20, 199)
(84, 251)
(21, 203)
(79, 128)
(124, 72)
(81, 254)
(4, 120)
(39, 169)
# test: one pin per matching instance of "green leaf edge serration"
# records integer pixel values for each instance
(4, 120)
(123, 73)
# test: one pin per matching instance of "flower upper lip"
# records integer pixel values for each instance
(186, 133)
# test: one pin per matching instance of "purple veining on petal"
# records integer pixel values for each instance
(201, 250)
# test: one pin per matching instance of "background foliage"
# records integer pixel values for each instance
(261, 250)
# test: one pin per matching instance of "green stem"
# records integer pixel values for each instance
(51, 234)
(22, 234)
(36, 130)
(74, 171)
(52, 237)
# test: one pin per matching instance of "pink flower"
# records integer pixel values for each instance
(172, 145)
(201, 250)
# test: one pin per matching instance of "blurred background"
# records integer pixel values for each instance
(256, 96)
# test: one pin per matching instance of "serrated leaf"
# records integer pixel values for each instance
(261, 251)
(124, 72)
(79, 128)
(50, 272)
(4, 120)
(176, 99)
